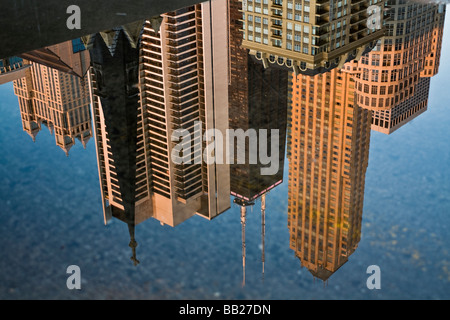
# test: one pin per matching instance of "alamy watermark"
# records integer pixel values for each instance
(74, 21)
(374, 19)
(221, 148)
(374, 281)
(74, 280)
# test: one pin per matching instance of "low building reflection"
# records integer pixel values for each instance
(52, 90)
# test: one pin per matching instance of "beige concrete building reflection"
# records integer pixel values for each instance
(310, 37)
(149, 79)
(54, 98)
(328, 148)
(393, 79)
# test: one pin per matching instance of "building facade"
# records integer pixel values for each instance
(311, 37)
(171, 87)
(328, 148)
(391, 78)
(57, 100)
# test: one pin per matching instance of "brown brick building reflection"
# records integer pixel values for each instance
(328, 147)
(392, 79)
(56, 99)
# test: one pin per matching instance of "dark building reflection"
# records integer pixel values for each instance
(150, 79)
(257, 101)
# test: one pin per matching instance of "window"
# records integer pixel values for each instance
(397, 58)
(384, 75)
(375, 75)
(374, 90)
(387, 44)
(365, 74)
(375, 59)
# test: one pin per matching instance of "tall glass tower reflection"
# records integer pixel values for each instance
(257, 101)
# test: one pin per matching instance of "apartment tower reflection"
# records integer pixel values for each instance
(310, 37)
(328, 148)
(394, 78)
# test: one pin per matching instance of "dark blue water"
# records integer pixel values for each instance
(51, 217)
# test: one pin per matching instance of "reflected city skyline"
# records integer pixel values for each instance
(131, 87)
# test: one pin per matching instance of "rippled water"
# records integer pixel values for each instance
(51, 217)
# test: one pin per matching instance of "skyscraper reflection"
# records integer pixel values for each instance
(329, 132)
(150, 79)
(257, 101)
(328, 147)
(311, 37)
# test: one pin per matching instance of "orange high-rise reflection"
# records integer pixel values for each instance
(328, 147)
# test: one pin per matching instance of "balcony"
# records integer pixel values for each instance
(322, 11)
(277, 4)
(358, 8)
(322, 19)
(277, 24)
(277, 33)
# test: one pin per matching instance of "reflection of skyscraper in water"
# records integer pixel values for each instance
(310, 37)
(116, 110)
(57, 99)
(258, 101)
(166, 66)
(266, 109)
(328, 148)
(393, 79)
